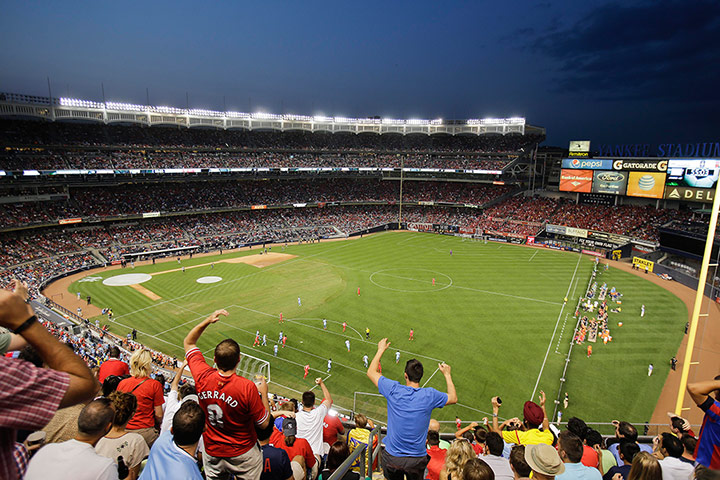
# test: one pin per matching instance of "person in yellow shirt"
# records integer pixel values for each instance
(529, 433)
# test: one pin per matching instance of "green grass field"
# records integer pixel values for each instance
(495, 314)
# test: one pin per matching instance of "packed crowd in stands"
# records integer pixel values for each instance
(17, 133)
(139, 425)
(519, 215)
(127, 159)
(123, 200)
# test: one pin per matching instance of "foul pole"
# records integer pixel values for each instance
(710, 240)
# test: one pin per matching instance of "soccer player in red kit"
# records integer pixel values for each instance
(344, 326)
(307, 369)
(589, 351)
(433, 281)
(281, 319)
(358, 291)
(412, 333)
(284, 340)
(233, 405)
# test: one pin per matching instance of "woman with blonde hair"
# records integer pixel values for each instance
(119, 442)
(644, 467)
(459, 453)
(149, 395)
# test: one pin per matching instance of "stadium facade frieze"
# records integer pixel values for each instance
(48, 108)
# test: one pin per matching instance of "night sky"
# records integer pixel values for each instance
(611, 72)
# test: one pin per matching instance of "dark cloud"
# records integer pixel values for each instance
(667, 51)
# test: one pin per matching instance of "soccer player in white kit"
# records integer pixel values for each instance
(347, 344)
(329, 364)
(365, 360)
(397, 356)
(324, 323)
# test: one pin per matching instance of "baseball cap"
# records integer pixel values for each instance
(544, 459)
(289, 427)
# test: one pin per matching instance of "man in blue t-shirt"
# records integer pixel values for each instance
(409, 409)
(176, 450)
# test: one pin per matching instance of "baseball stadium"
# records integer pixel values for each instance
(533, 272)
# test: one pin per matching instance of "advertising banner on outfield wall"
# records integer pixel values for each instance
(420, 227)
(576, 180)
(646, 184)
(642, 263)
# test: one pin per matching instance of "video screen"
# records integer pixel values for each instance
(696, 173)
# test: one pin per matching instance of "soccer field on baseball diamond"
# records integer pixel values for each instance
(495, 314)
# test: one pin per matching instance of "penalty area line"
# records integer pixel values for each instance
(429, 378)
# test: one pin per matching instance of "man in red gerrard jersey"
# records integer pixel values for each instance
(233, 404)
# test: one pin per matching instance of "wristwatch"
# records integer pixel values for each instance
(27, 323)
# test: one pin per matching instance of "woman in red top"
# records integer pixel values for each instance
(149, 395)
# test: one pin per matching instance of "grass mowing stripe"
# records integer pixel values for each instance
(547, 352)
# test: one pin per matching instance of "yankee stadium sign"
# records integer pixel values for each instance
(705, 149)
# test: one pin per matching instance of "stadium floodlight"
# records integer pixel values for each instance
(297, 118)
(205, 113)
(346, 120)
(322, 118)
(75, 102)
(266, 116)
(125, 106)
(437, 121)
(392, 121)
(417, 121)
(492, 121)
(238, 115)
(168, 110)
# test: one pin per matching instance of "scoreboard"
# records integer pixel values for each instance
(675, 179)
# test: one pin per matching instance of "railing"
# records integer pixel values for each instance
(360, 452)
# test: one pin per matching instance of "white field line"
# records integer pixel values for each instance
(533, 255)
(430, 377)
(324, 380)
(342, 245)
(557, 322)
